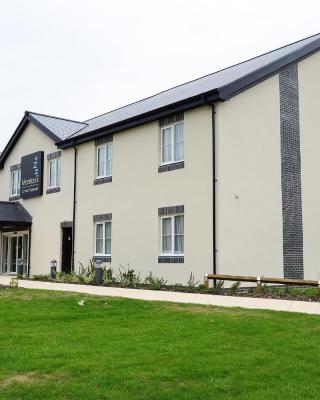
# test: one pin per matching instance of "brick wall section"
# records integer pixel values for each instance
(291, 173)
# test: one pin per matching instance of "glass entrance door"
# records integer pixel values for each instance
(5, 254)
(14, 251)
(13, 255)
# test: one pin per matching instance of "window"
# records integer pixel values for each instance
(172, 143)
(15, 182)
(54, 172)
(172, 235)
(103, 238)
(104, 160)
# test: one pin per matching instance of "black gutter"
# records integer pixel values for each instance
(74, 206)
(140, 119)
(214, 225)
(265, 72)
(222, 93)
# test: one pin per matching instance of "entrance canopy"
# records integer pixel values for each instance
(13, 215)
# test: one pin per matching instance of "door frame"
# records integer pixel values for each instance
(63, 228)
(9, 236)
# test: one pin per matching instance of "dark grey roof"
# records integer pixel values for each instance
(196, 87)
(218, 86)
(13, 214)
(60, 127)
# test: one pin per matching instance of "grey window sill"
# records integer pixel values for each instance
(14, 198)
(171, 167)
(171, 259)
(102, 258)
(100, 181)
(53, 190)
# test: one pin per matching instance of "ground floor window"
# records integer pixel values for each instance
(172, 235)
(14, 252)
(103, 238)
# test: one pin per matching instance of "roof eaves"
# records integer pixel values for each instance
(55, 117)
(14, 138)
(239, 85)
(27, 214)
(17, 133)
(14, 213)
(187, 104)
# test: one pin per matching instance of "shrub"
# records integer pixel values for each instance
(234, 288)
(41, 277)
(64, 277)
(108, 277)
(218, 288)
(87, 274)
(287, 289)
(261, 289)
(14, 283)
(128, 277)
(191, 282)
(154, 282)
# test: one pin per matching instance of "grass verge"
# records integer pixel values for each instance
(110, 348)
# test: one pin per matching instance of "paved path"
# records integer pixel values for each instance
(195, 298)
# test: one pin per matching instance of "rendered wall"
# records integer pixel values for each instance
(137, 191)
(249, 202)
(309, 88)
(48, 210)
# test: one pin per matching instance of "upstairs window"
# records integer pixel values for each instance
(172, 235)
(104, 160)
(15, 182)
(54, 173)
(172, 143)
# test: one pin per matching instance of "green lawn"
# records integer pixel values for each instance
(51, 348)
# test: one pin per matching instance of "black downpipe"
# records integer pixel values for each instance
(29, 250)
(74, 206)
(214, 193)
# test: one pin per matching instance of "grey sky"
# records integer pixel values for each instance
(78, 59)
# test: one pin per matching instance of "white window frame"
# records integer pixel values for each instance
(173, 234)
(105, 147)
(103, 238)
(15, 182)
(57, 173)
(173, 160)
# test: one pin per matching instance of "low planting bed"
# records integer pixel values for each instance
(128, 278)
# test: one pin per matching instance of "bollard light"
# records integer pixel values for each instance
(53, 269)
(99, 272)
(206, 281)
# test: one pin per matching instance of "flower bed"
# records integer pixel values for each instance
(128, 278)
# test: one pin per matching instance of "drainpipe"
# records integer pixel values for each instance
(29, 250)
(74, 206)
(214, 180)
